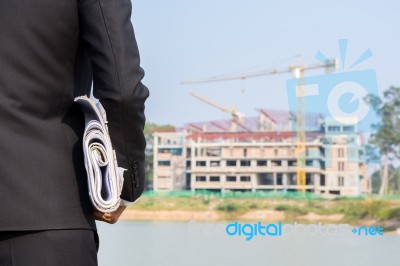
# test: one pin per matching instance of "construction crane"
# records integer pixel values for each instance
(298, 71)
(232, 111)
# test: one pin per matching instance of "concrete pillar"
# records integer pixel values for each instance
(253, 180)
(284, 181)
(192, 177)
(316, 178)
(155, 160)
(223, 181)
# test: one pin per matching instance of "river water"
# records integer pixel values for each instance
(129, 243)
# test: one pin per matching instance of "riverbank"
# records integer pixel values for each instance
(207, 208)
(212, 216)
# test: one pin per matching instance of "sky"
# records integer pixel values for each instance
(194, 39)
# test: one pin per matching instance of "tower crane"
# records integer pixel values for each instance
(232, 111)
(298, 71)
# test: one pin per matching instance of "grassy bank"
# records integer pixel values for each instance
(344, 210)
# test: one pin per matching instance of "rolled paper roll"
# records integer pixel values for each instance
(105, 178)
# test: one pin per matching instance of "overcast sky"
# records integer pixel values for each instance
(189, 39)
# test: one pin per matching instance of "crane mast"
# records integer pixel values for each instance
(301, 133)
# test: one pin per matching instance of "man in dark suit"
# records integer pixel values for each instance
(50, 51)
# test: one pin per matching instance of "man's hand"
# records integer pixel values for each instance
(109, 217)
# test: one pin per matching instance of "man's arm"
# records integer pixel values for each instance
(106, 29)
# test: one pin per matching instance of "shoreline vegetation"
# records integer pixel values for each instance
(288, 208)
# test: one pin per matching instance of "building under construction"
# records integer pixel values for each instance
(259, 154)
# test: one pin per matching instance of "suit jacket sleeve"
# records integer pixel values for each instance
(106, 29)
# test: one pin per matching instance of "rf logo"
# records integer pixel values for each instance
(346, 101)
(338, 96)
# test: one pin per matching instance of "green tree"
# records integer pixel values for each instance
(386, 135)
(393, 180)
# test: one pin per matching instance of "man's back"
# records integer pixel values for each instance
(44, 63)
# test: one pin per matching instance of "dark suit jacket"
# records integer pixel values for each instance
(50, 51)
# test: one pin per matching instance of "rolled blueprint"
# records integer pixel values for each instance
(105, 178)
